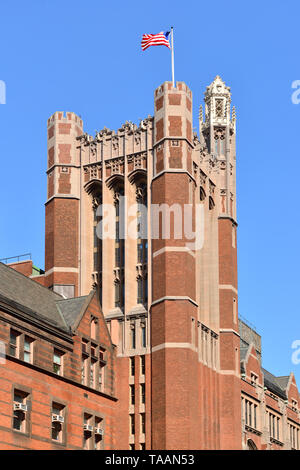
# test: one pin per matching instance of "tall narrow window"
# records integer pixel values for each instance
(216, 147)
(87, 431)
(132, 366)
(143, 423)
(143, 334)
(142, 365)
(58, 362)
(14, 343)
(140, 296)
(133, 335)
(143, 396)
(222, 147)
(58, 420)
(142, 242)
(98, 433)
(119, 248)
(131, 424)
(94, 324)
(28, 349)
(117, 294)
(132, 394)
(19, 410)
(97, 200)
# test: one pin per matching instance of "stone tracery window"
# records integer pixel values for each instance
(219, 108)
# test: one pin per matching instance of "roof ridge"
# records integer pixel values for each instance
(71, 298)
(17, 273)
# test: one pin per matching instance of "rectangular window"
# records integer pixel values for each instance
(58, 362)
(117, 295)
(143, 397)
(253, 378)
(117, 256)
(142, 365)
(58, 422)
(255, 417)
(28, 349)
(84, 346)
(94, 350)
(250, 413)
(140, 253)
(131, 424)
(87, 431)
(132, 395)
(92, 373)
(83, 370)
(216, 147)
(102, 354)
(140, 297)
(143, 423)
(274, 426)
(143, 335)
(19, 410)
(98, 433)
(14, 343)
(132, 366)
(132, 330)
(94, 324)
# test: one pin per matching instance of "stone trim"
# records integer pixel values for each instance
(173, 248)
(228, 286)
(174, 297)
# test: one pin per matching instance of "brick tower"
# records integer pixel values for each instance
(175, 419)
(218, 133)
(62, 206)
(170, 307)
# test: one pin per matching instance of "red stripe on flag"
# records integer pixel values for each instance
(154, 40)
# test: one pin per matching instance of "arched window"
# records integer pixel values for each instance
(119, 247)
(251, 445)
(202, 194)
(97, 245)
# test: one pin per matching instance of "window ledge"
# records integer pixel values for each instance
(21, 433)
(275, 441)
(253, 430)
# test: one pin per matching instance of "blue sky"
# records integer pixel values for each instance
(86, 57)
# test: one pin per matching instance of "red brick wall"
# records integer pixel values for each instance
(44, 386)
(61, 237)
(24, 267)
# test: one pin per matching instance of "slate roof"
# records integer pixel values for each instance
(25, 294)
(273, 384)
(283, 381)
(243, 352)
(277, 385)
(71, 308)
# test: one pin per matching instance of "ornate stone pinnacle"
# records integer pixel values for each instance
(201, 113)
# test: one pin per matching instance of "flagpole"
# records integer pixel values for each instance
(172, 55)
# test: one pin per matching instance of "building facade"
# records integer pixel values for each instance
(141, 222)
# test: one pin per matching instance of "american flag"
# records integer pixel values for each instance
(160, 39)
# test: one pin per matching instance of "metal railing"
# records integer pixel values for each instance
(247, 322)
(17, 258)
